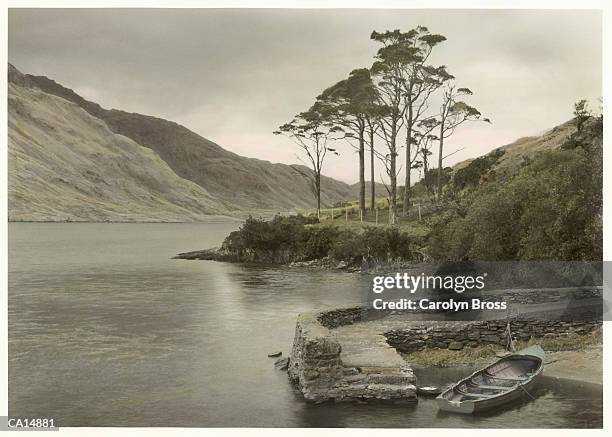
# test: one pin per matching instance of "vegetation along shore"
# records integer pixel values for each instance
(541, 205)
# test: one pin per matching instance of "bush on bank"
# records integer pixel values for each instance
(284, 240)
(551, 209)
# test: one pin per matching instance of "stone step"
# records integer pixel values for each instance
(377, 391)
(390, 391)
(391, 378)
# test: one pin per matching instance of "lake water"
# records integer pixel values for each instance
(106, 330)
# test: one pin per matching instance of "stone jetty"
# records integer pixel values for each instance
(341, 355)
(327, 365)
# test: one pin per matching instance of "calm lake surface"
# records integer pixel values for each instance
(106, 330)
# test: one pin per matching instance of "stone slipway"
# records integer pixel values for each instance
(348, 363)
(364, 346)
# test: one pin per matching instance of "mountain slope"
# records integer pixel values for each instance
(515, 152)
(237, 182)
(65, 164)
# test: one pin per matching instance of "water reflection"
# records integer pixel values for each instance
(106, 330)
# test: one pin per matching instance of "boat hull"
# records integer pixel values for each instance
(460, 397)
(470, 407)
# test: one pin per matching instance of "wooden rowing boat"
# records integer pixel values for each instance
(502, 382)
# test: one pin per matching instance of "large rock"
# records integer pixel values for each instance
(455, 345)
(473, 335)
(491, 338)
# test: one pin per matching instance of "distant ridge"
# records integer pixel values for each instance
(52, 131)
(66, 165)
(236, 181)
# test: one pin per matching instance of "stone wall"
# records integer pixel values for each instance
(347, 316)
(457, 335)
(340, 317)
(314, 363)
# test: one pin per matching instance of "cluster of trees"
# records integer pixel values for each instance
(550, 209)
(401, 104)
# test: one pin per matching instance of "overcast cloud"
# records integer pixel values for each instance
(233, 76)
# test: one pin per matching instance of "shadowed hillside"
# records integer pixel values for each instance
(65, 165)
(236, 182)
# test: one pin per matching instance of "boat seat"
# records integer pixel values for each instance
(479, 395)
(495, 387)
(506, 379)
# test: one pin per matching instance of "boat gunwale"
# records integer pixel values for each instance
(471, 405)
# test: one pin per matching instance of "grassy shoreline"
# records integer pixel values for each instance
(576, 357)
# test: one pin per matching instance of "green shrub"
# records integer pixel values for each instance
(471, 175)
(319, 242)
(550, 210)
(288, 239)
(348, 247)
(276, 240)
(430, 179)
(379, 243)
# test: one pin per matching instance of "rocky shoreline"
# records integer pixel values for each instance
(328, 263)
(212, 254)
(217, 254)
(339, 356)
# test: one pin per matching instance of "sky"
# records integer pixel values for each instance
(233, 76)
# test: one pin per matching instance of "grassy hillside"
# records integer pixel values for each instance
(514, 152)
(66, 165)
(236, 182)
